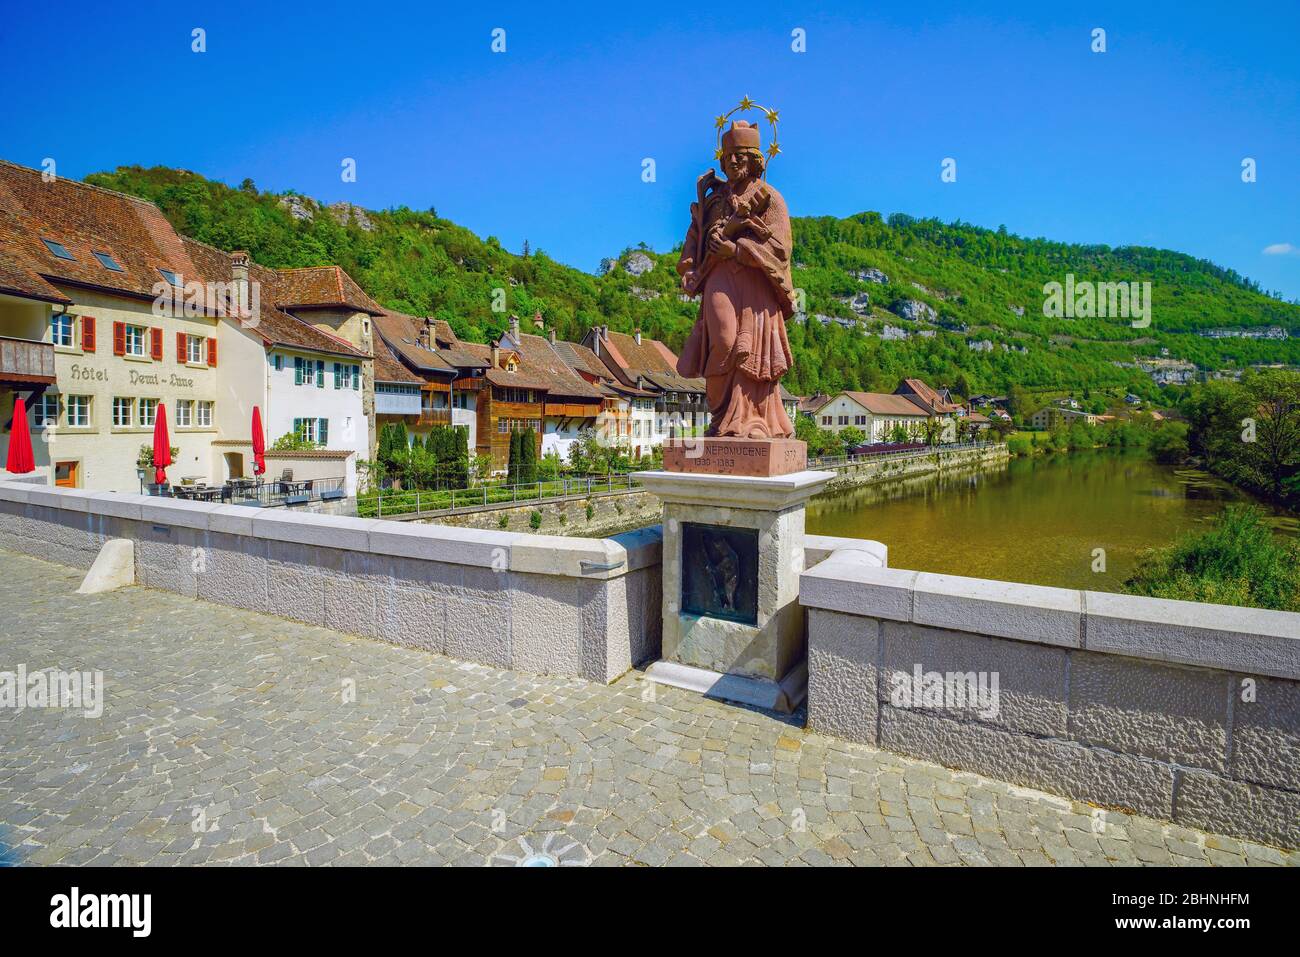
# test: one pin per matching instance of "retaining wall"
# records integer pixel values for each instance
(535, 603)
(1177, 710)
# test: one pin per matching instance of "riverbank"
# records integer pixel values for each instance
(1072, 520)
(612, 513)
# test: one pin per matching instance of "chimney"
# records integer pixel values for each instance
(514, 329)
(538, 322)
(239, 260)
(637, 335)
(552, 336)
(496, 356)
(422, 337)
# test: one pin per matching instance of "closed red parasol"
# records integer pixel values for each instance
(259, 443)
(20, 458)
(162, 445)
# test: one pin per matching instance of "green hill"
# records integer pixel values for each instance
(974, 280)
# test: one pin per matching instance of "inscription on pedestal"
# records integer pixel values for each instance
(720, 572)
(718, 455)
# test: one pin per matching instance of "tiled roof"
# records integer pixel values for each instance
(84, 219)
(924, 396)
(648, 359)
(541, 360)
(389, 369)
(401, 334)
(87, 219)
(274, 326)
(581, 359)
(884, 403)
(318, 287)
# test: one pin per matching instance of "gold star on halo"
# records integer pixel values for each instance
(721, 121)
(773, 150)
(717, 154)
(746, 103)
(772, 116)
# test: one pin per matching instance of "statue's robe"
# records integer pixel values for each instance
(739, 344)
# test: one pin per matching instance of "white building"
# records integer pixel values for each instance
(876, 414)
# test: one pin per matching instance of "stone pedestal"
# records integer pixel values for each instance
(733, 550)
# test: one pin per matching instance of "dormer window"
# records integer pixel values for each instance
(107, 261)
(170, 276)
(58, 249)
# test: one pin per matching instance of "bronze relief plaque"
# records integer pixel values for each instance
(720, 572)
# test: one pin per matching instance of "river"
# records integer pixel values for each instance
(1040, 520)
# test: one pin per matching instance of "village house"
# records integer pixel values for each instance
(106, 313)
(570, 404)
(647, 364)
(875, 414)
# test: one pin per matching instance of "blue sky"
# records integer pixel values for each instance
(1141, 144)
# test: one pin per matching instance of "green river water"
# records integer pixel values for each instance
(1037, 521)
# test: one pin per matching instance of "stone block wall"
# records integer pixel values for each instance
(1177, 710)
(536, 603)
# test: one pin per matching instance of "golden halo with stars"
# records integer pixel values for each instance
(744, 106)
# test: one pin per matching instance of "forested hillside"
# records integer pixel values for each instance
(955, 304)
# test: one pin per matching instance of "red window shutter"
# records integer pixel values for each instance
(155, 350)
(87, 333)
(212, 352)
(119, 338)
(180, 348)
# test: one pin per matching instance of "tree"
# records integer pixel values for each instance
(1273, 450)
(514, 463)
(851, 437)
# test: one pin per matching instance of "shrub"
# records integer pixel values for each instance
(1020, 446)
(591, 510)
(504, 520)
(1237, 562)
(535, 521)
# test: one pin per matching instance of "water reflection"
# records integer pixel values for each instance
(1038, 520)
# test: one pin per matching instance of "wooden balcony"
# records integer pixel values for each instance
(434, 417)
(24, 362)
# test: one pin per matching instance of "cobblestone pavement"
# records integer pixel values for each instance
(226, 738)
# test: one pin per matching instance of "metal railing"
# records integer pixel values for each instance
(264, 494)
(389, 502)
(842, 461)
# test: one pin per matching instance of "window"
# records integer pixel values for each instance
(859, 420)
(277, 362)
(205, 415)
(184, 413)
(460, 399)
(107, 261)
(123, 412)
(135, 337)
(46, 411)
(826, 420)
(148, 411)
(843, 420)
(312, 430)
(171, 277)
(61, 325)
(79, 411)
(58, 249)
(518, 425)
(194, 349)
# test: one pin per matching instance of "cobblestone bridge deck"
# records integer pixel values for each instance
(239, 721)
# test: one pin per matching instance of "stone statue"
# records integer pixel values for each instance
(736, 258)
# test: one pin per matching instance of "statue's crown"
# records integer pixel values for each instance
(743, 135)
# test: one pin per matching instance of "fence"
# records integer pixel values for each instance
(841, 461)
(387, 503)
